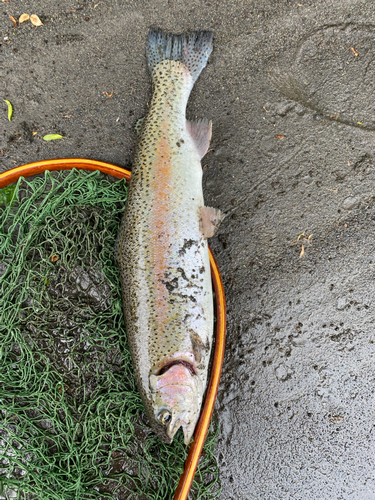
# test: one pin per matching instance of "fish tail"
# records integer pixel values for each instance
(193, 49)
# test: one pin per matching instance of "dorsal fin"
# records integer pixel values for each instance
(200, 131)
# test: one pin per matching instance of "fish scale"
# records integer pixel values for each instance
(162, 250)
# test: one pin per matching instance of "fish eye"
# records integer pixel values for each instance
(165, 417)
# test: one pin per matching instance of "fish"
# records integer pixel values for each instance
(162, 248)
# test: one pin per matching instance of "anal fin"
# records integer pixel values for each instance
(211, 219)
(200, 131)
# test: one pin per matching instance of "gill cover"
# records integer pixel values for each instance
(176, 399)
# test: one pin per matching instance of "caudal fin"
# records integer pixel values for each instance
(193, 49)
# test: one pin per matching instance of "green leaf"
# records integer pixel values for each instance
(52, 137)
(10, 109)
(6, 194)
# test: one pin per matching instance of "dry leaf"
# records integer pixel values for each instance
(5, 0)
(13, 20)
(23, 18)
(54, 258)
(280, 136)
(35, 20)
(302, 251)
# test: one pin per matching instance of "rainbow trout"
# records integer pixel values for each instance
(162, 248)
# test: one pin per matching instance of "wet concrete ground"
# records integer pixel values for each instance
(290, 90)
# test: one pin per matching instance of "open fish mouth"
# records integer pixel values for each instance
(177, 397)
(167, 434)
(187, 428)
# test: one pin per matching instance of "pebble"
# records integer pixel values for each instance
(350, 203)
(300, 110)
(281, 372)
(341, 303)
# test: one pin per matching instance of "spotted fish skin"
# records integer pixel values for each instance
(162, 250)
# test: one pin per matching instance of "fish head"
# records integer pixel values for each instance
(176, 399)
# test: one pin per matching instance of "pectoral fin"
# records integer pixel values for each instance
(210, 221)
(201, 132)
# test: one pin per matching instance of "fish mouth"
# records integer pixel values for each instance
(182, 362)
(188, 428)
(177, 389)
(167, 434)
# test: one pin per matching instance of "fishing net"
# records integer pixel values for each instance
(71, 418)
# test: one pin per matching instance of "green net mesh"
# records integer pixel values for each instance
(71, 418)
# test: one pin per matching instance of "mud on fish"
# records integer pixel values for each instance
(162, 250)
